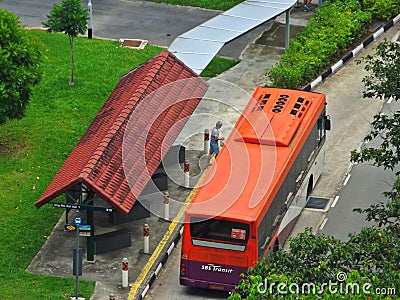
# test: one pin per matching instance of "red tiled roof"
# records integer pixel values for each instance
(143, 113)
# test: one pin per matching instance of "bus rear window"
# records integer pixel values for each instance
(219, 230)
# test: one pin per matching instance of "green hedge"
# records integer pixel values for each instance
(336, 25)
(382, 9)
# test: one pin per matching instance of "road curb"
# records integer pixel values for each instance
(163, 261)
(175, 236)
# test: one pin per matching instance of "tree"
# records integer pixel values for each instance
(20, 57)
(383, 81)
(71, 18)
(384, 66)
(319, 266)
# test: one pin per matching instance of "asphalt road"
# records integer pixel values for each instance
(159, 24)
(362, 187)
(167, 286)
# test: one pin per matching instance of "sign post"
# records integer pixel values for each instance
(77, 257)
(85, 230)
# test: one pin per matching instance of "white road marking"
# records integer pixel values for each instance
(323, 224)
(335, 201)
(347, 179)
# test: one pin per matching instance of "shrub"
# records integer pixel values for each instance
(20, 57)
(335, 27)
(381, 9)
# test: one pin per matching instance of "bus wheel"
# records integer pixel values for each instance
(276, 246)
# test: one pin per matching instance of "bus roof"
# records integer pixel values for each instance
(258, 154)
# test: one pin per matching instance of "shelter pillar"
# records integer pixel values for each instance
(90, 239)
(287, 28)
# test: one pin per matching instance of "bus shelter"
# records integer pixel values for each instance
(97, 166)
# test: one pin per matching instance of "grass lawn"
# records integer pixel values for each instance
(33, 149)
(209, 4)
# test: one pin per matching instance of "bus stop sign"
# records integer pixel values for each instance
(77, 220)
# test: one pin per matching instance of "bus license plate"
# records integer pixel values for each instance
(216, 287)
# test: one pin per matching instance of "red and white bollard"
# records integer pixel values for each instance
(166, 206)
(112, 297)
(186, 170)
(206, 141)
(124, 272)
(146, 239)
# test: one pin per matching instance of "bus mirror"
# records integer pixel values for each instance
(327, 123)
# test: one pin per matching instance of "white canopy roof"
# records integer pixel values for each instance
(198, 46)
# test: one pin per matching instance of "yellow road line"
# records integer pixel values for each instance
(142, 276)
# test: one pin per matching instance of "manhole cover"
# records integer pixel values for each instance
(317, 203)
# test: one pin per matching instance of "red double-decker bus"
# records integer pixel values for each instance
(253, 194)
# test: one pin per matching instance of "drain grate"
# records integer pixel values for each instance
(133, 43)
(317, 203)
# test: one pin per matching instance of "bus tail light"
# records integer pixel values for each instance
(183, 269)
(184, 258)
